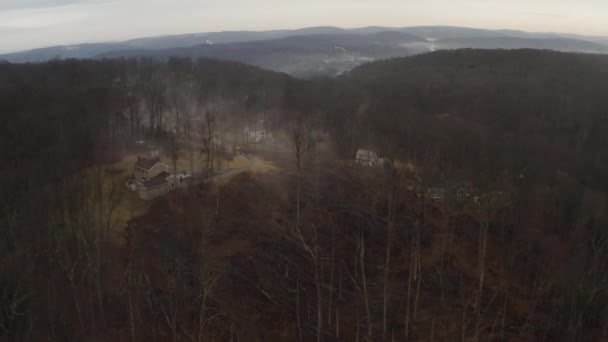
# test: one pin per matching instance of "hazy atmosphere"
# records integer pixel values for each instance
(324, 171)
(26, 24)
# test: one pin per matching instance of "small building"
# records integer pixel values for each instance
(369, 158)
(147, 168)
(436, 194)
(257, 136)
(154, 152)
(257, 133)
(366, 158)
(458, 191)
(319, 135)
(157, 185)
(146, 148)
(462, 190)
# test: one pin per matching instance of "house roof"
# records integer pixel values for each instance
(145, 163)
(158, 180)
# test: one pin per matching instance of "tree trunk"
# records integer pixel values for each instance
(365, 297)
(298, 195)
(298, 308)
(409, 286)
(482, 253)
(389, 232)
(331, 276)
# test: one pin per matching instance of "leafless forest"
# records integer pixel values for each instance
(450, 196)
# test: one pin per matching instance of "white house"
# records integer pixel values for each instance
(368, 158)
(257, 133)
(151, 178)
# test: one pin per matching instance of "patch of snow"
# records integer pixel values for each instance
(431, 39)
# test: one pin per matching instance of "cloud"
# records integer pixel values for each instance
(27, 4)
(40, 18)
(542, 14)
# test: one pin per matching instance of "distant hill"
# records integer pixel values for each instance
(317, 50)
(541, 108)
(558, 44)
(301, 55)
(90, 50)
(451, 32)
(188, 40)
(80, 51)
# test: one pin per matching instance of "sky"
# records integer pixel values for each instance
(26, 24)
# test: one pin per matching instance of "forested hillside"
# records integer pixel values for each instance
(483, 218)
(497, 111)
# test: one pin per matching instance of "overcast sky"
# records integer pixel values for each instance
(28, 24)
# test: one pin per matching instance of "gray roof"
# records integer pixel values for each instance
(145, 163)
(158, 180)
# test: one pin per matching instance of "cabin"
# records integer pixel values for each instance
(147, 168)
(156, 186)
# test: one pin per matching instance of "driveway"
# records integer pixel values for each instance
(226, 173)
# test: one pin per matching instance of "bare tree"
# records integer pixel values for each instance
(361, 246)
(390, 173)
(174, 155)
(154, 90)
(134, 114)
(409, 286)
(207, 282)
(331, 275)
(302, 140)
(298, 308)
(177, 99)
(208, 132)
(187, 128)
(313, 253)
(487, 207)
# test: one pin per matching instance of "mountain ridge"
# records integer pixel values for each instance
(323, 50)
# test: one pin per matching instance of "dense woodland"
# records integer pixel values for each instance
(322, 249)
